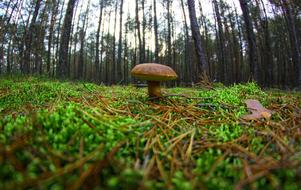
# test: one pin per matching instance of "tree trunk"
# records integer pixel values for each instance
(267, 57)
(72, 40)
(3, 23)
(62, 67)
(141, 60)
(206, 31)
(169, 58)
(240, 67)
(252, 46)
(39, 41)
(202, 63)
(119, 71)
(28, 39)
(8, 70)
(55, 60)
(97, 41)
(107, 70)
(293, 36)
(100, 76)
(188, 65)
(143, 30)
(156, 33)
(236, 50)
(113, 81)
(54, 11)
(221, 43)
(126, 56)
(82, 35)
(76, 39)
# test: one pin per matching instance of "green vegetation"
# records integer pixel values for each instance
(58, 135)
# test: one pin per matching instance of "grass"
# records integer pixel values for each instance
(60, 135)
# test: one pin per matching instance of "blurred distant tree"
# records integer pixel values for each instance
(262, 43)
(202, 63)
(288, 11)
(141, 60)
(29, 37)
(252, 45)
(156, 32)
(97, 64)
(119, 61)
(54, 11)
(82, 34)
(62, 67)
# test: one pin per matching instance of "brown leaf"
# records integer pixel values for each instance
(257, 110)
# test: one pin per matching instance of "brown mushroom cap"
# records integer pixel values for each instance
(153, 72)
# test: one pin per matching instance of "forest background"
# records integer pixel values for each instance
(101, 41)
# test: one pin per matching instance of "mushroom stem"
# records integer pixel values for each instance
(154, 89)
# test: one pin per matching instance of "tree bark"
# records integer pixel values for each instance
(141, 60)
(252, 46)
(143, 30)
(205, 24)
(239, 76)
(57, 41)
(156, 33)
(100, 76)
(113, 71)
(8, 69)
(119, 71)
(4, 23)
(202, 63)
(188, 65)
(39, 40)
(54, 11)
(97, 66)
(169, 59)
(73, 39)
(236, 50)
(293, 36)
(82, 34)
(220, 42)
(28, 39)
(62, 68)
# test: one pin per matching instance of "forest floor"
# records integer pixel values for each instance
(65, 135)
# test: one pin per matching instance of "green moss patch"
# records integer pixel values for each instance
(60, 135)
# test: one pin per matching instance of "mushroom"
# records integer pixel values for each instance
(153, 73)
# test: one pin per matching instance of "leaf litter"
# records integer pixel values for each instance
(258, 111)
(83, 139)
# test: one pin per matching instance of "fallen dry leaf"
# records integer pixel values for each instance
(258, 111)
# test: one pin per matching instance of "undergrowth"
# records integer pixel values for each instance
(60, 135)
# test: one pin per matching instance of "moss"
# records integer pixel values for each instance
(124, 141)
